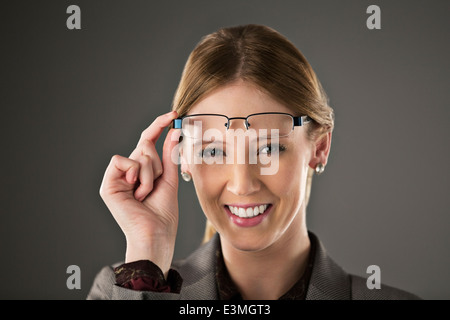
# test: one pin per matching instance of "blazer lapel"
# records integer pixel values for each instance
(328, 280)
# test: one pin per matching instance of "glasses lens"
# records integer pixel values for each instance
(272, 123)
(199, 127)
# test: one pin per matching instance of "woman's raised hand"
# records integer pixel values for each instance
(142, 194)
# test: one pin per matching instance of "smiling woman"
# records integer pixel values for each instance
(251, 84)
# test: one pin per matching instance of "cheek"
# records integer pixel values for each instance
(290, 181)
(208, 186)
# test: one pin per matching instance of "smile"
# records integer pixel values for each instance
(248, 211)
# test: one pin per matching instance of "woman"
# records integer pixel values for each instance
(245, 82)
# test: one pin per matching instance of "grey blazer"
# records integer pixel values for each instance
(328, 281)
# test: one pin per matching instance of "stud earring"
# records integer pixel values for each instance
(186, 176)
(319, 168)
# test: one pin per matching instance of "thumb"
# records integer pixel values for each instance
(170, 159)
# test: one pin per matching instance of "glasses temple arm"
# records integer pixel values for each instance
(299, 121)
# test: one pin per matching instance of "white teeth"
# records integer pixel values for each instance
(249, 212)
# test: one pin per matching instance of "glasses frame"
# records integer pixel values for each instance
(296, 121)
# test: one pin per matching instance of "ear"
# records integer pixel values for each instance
(321, 150)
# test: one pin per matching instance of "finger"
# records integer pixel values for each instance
(148, 148)
(145, 178)
(170, 151)
(119, 168)
(153, 132)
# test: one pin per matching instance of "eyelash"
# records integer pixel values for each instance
(281, 148)
(201, 154)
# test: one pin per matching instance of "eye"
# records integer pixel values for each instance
(270, 148)
(211, 152)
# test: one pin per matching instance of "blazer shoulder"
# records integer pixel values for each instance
(102, 286)
(360, 291)
(329, 281)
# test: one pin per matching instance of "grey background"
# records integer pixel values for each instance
(72, 99)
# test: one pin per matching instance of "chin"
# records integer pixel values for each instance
(249, 242)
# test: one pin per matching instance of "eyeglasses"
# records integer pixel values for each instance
(195, 125)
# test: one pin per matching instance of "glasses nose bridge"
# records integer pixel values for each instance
(228, 124)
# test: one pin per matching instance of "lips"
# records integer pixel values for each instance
(248, 215)
(248, 212)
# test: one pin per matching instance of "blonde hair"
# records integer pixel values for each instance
(264, 57)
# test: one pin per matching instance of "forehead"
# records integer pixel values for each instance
(238, 99)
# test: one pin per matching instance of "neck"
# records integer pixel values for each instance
(269, 273)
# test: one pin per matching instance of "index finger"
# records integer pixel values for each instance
(153, 132)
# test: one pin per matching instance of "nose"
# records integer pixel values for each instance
(243, 179)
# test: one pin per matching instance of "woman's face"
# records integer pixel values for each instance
(241, 185)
